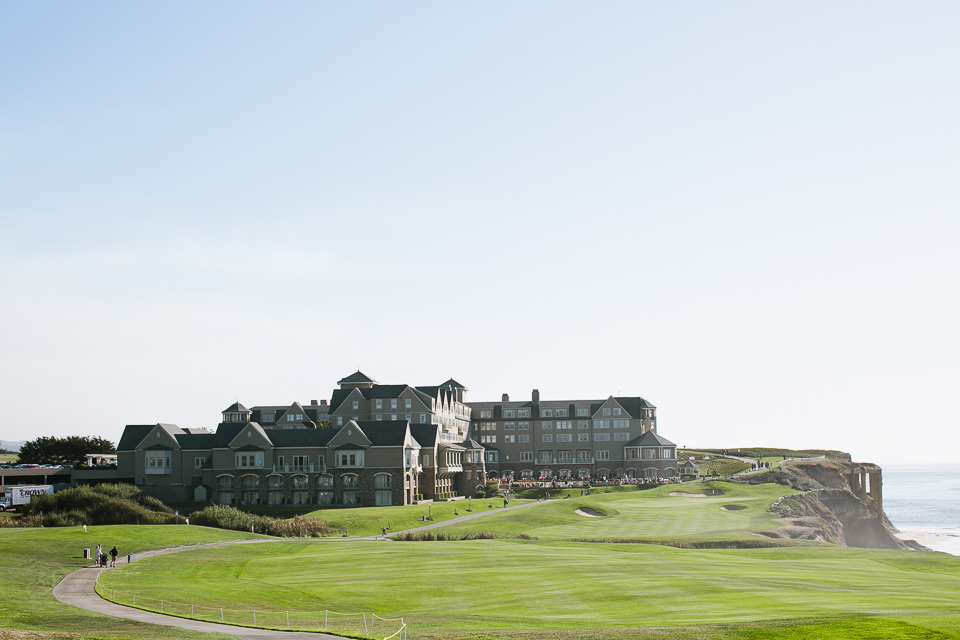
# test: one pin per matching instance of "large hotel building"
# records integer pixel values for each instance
(394, 444)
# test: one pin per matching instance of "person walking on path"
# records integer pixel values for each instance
(113, 556)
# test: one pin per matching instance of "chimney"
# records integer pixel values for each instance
(506, 397)
(313, 403)
(536, 396)
(323, 403)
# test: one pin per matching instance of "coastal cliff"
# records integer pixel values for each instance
(841, 502)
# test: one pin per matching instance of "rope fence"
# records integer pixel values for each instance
(365, 624)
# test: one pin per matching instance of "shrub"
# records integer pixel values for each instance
(226, 517)
(102, 504)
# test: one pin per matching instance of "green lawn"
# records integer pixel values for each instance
(369, 521)
(8, 458)
(33, 561)
(651, 515)
(499, 586)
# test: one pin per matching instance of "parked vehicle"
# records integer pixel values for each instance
(22, 494)
(5, 503)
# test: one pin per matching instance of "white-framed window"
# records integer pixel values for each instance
(561, 413)
(546, 457)
(339, 421)
(583, 424)
(616, 411)
(198, 462)
(324, 481)
(603, 455)
(382, 481)
(601, 437)
(488, 439)
(299, 416)
(157, 461)
(564, 424)
(668, 453)
(491, 456)
(509, 438)
(583, 437)
(546, 413)
(508, 413)
(488, 426)
(379, 416)
(523, 437)
(350, 481)
(583, 412)
(526, 456)
(621, 436)
(523, 413)
(393, 417)
(383, 498)
(349, 459)
(423, 418)
(564, 437)
(583, 455)
(606, 411)
(509, 426)
(564, 456)
(546, 437)
(393, 403)
(407, 403)
(301, 463)
(250, 460)
(268, 417)
(379, 404)
(289, 417)
(486, 413)
(524, 426)
(546, 425)
(621, 424)
(224, 482)
(601, 424)
(356, 405)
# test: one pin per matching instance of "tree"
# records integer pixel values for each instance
(54, 450)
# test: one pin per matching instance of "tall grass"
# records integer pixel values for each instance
(226, 517)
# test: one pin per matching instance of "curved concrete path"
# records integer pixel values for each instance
(77, 588)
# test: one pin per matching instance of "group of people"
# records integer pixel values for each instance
(104, 560)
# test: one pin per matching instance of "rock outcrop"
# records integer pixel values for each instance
(840, 503)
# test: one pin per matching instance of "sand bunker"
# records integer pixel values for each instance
(684, 494)
(588, 512)
(733, 507)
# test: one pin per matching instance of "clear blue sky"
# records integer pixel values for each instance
(745, 212)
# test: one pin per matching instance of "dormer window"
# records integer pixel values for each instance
(289, 417)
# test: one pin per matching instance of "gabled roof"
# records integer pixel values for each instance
(350, 445)
(357, 378)
(384, 433)
(380, 391)
(470, 443)
(650, 439)
(133, 434)
(634, 406)
(235, 407)
(453, 384)
(425, 434)
(249, 447)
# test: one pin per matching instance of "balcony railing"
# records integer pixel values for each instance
(300, 468)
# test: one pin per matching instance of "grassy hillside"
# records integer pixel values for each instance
(33, 561)
(653, 515)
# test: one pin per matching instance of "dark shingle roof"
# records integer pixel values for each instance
(634, 406)
(236, 406)
(302, 437)
(650, 439)
(384, 433)
(470, 443)
(350, 445)
(425, 434)
(133, 434)
(453, 384)
(356, 378)
(380, 391)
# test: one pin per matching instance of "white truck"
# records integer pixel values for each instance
(16, 495)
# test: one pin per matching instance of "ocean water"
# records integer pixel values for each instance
(924, 498)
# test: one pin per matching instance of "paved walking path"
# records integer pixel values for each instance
(77, 588)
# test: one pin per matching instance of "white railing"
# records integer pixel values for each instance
(300, 468)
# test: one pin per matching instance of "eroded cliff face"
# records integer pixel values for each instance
(841, 503)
